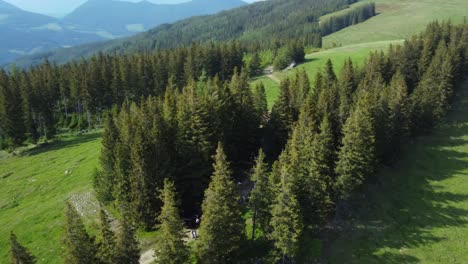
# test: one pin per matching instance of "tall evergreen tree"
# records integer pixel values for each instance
(107, 253)
(357, 155)
(222, 227)
(79, 245)
(128, 250)
(170, 247)
(286, 221)
(18, 253)
(104, 180)
(261, 195)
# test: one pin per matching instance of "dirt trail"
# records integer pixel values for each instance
(274, 78)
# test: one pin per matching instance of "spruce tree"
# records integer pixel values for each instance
(104, 180)
(356, 160)
(128, 251)
(261, 195)
(107, 253)
(222, 227)
(260, 102)
(320, 179)
(79, 245)
(286, 221)
(18, 253)
(170, 247)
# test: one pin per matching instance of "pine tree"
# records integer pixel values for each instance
(329, 73)
(357, 155)
(18, 253)
(286, 221)
(255, 65)
(106, 245)
(128, 251)
(170, 247)
(104, 180)
(321, 175)
(260, 102)
(222, 227)
(261, 195)
(79, 245)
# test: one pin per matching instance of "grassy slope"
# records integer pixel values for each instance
(399, 19)
(417, 211)
(33, 188)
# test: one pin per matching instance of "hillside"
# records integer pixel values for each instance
(399, 19)
(269, 21)
(29, 33)
(34, 186)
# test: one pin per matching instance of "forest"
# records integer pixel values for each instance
(181, 131)
(351, 17)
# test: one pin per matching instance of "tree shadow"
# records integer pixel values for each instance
(60, 143)
(398, 210)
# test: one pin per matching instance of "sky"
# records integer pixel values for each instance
(62, 7)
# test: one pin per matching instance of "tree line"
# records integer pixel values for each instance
(318, 146)
(348, 18)
(35, 104)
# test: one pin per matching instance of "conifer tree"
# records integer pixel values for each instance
(222, 227)
(128, 251)
(329, 73)
(104, 180)
(107, 253)
(261, 195)
(321, 175)
(260, 102)
(286, 221)
(356, 160)
(18, 253)
(170, 247)
(79, 245)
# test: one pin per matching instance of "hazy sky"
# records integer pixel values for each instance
(55, 7)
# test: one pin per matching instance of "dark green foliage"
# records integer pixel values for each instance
(128, 251)
(105, 178)
(170, 247)
(107, 252)
(18, 253)
(286, 221)
(351, 17)
(79, 245)
(261, 197)
(357, 156)
(222, 227)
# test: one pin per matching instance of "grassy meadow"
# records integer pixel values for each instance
(399, 19)
(34, 186)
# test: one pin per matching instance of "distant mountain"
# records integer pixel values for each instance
(25, 33)
(264, 23)
(124, 18)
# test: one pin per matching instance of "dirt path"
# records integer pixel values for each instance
(274, 78)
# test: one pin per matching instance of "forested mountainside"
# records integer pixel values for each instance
(264, 24)
(96, 20)
(324, 140)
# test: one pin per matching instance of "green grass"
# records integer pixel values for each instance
(399, 19)
(34, 188)
(271, 88)
(358, 53)
(417, 211)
